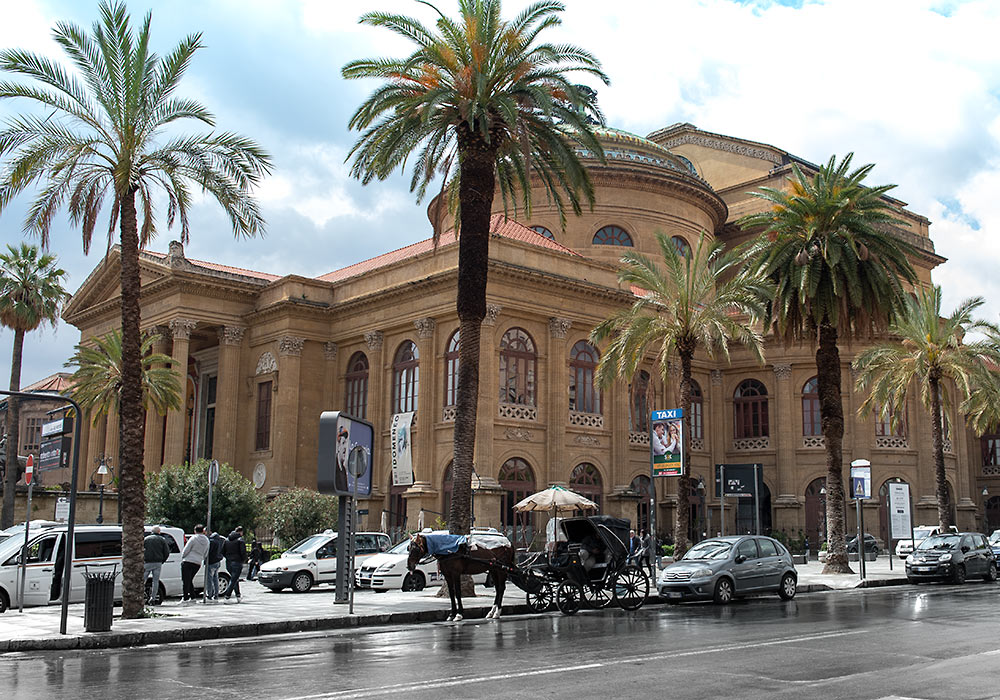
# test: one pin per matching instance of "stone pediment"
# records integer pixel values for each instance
(103, 283)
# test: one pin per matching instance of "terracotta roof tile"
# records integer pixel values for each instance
(499, 227)
(57, 383)
(222, 268)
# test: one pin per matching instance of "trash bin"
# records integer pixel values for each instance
(99, 600)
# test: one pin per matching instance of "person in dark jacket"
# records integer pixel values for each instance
(257, 557)
(235, 552)
(155, 552)
(215, 546)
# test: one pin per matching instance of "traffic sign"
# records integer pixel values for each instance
(213, 472)
(29, 468)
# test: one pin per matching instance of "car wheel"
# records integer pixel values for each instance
(414, 582)
(991, 573)
(723, 591)
(959, 575)
(302, 582)
(223, 581)
(788, 587)
(4, 602)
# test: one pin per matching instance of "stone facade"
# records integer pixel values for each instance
(265, 355)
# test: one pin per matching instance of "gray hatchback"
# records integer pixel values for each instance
(725, 567)
(953, 556)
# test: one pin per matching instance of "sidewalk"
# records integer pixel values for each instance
(263, 612)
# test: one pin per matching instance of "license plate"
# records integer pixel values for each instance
(922, 569)
(675, 594)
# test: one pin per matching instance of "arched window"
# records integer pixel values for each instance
(583, 395)
(586, 481)
(681, 245)
(990, 445)
(517, 368)
(639, 402)
(641, 486)
(356, 386)
(451, 371)
(613, 235)
(810, 409)
(697, 412)
(816, 512)
(750, 404)
(884, 423)
(405, 378)
(543, 231)
(518, 482)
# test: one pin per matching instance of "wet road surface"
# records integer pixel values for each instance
(933, 641)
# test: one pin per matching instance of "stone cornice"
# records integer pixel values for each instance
(722, 144)
(654, 181)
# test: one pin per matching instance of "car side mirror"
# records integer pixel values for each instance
(965, 550)
(740, 559)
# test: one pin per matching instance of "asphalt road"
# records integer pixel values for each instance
(933, 641)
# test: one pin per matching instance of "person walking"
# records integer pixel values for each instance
(215, 545)
(235, 552)
(192, 558)
(257, 557)
(155, 552)
(646, 555)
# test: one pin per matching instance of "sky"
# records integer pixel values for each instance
(910, 85)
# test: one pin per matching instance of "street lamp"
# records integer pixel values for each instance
(986, 494)
(476, 484)
(822, 524)
(700, 489)
(102, 471)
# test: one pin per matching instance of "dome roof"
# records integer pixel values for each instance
(622, 145)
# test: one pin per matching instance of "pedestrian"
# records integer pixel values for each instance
(192, 558)
(215, 545)
(257, 557)
(235, 552)
(155, 552)
(807, 547)
(646, 559)
(634, 544)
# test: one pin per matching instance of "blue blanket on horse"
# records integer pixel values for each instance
(443, 543)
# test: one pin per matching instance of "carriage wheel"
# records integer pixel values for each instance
(597, 596)
(631, 588)
(540, 600)
(568, 597)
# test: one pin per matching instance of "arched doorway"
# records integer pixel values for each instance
(518, 482)
(396, 512)
(586, 481)
(641, 486)
(816, 512)
(883, 510)
(992, 514)
(746, 522)
(697, 523)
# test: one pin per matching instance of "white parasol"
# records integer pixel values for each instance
(555, 499)
(420, 521)
(384, 525)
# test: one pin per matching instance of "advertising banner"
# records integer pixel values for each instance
(341, 437)
(54, 453)
(738, 480)
(402, 449)
(900, 522)
(666, 443)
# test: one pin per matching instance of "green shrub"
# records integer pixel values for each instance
(667, 550)
(178, 496)
(296, 514)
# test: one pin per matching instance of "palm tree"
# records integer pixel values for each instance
(838, 273)
(105, 135)
(31, 293)
(691, 302)
(97, 381)
(483, 94)
(929, 351)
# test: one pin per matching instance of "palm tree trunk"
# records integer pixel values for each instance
(937, 436)
(831, 410)
(682, 521)
(13, 432)
(130, 427)
(476, 188)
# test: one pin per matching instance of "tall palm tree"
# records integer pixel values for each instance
(838, 274)
(485, 95)
(930, 352)
(31, 293)
(98, 379)
(108, 133)
(691, 302)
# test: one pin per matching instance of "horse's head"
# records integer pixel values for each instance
(417, 551)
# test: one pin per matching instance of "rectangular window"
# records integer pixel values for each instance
(263, 439)
(32, 435)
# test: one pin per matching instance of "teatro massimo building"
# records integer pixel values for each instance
(266, 353)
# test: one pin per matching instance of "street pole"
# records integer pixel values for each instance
(756, 499)
(27, 527)
(213, 476)
(100, 505)
(722, 498)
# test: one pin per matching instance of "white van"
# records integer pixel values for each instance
(921, 532)
(97, 548)
(314, 560)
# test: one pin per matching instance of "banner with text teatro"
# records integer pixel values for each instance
(666, 442)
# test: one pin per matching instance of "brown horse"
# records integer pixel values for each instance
(497, 561)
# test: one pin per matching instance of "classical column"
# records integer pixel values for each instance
(718, 429)
(784, 433)
(285, 414)
(227, 394)
(174, 448)
(152, 447)
(332, 393)
(489, 391)
(558, 401)
(429, 403)
(112, 438)
(95, 445)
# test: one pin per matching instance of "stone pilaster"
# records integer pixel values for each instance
(152, 446)
(486, 410)
(285, 412)
(429, 406)
(783, 432)
(718, 421)
(332, 391)
(95, 445)
(378, 403)
(224, 441)
(112, 438)
(558, 401)
(174, 447)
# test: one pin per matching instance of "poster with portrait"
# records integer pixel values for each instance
(666, 442)
(340, 436)
(402, 449)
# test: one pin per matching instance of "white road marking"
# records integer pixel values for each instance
(451, 682)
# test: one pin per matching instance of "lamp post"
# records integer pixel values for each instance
(822, 522)
(986, 522)
(476, 484)
(700, 490)
(102, 471)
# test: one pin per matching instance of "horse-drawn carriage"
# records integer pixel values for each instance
(590, 568)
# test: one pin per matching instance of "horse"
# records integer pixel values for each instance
(497, 561)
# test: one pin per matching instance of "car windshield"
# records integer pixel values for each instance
(710, 549)
(939, 542)
(995, 537)
(922, 532)
(308, 543)
(400, 548)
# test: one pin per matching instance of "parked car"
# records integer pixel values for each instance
(722, 568)
(905, 547)
(388, 570)
(871, 544)
(995, 545)
(314, 560)
(952, 556)
(35, 525)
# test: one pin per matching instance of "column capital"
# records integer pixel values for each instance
(558, 327)
(181, 328)
(425, 327)
(373, 339)
(716, 377)
(330, 350)
(782, 371)
(291, 345)
(231, 335)
(492, 312)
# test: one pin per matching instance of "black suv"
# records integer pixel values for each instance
(952, 556)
